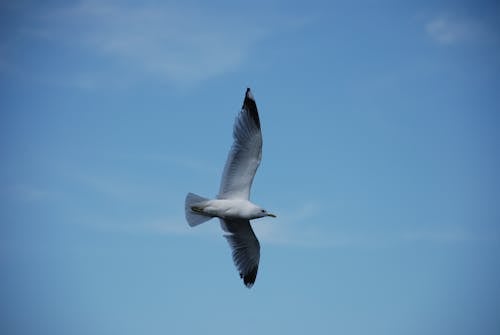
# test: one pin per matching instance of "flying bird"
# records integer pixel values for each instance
(232, 206)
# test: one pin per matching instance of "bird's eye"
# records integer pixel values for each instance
(263, 211)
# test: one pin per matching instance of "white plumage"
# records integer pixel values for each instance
(232, 205)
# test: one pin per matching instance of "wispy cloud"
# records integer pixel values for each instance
(28, 193)
(179, 43)
(448, 30)
(162, 225)
(188, 162)
(311, 226)
(447, 234)
(300, 226)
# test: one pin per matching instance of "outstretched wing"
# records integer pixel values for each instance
(245, 154)
(245, 248)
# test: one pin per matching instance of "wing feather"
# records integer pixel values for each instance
(245, 248)
(245, 154)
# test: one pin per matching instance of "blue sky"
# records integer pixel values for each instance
(381, 159)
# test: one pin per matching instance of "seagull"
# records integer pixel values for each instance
(232, 206)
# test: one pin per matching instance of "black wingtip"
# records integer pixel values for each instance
(250, 105)
(249, 278)
(248, 94)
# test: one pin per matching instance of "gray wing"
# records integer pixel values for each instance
(245, 154)
(245, 248)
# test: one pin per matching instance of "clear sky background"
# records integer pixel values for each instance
(381, 155)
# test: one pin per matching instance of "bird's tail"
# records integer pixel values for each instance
(194, 202)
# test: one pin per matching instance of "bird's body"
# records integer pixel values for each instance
(231, 209)
(232, 206)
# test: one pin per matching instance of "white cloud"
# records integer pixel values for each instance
(182, 44)
(448, 31)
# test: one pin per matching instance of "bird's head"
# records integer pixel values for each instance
(262, 213)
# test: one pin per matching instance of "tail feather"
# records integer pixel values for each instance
(194, 218)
